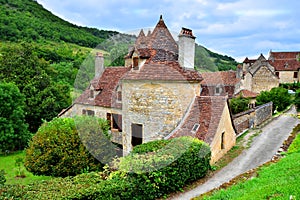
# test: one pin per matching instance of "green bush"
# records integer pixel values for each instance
(189, 161)
(279, 96)
(238, 104)
(295, 146)
(150, 146)
(57, 150)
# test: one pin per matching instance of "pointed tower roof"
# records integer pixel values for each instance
(163, 43)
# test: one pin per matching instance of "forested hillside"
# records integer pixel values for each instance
(41, 54)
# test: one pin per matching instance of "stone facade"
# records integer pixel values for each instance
(288, 76)
(158, 106)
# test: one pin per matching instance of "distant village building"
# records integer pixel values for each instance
(156, 95)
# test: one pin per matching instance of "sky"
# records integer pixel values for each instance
(237, 28)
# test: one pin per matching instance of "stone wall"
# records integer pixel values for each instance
(252, 118)
(287, 77)
(158, 106)
(264, 80)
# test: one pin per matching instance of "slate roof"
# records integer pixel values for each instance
(164, 71)
(106, 85)
(220, 78)
(285, 61)
(207, 112)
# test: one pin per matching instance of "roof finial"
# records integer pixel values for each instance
(160, 18)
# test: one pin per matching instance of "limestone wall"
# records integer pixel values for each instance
(225, 126)
(253, 117)
(158, 106)
(264, 80)
(287, 77)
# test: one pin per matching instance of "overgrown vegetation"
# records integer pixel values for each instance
(279, 96)
(57, 149)
(238, 104)
(123, 184)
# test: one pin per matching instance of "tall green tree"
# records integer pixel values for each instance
(44, 98)
(14, 132)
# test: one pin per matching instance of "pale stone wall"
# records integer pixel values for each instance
(225, 126)
(264, 80)
(246, 83)
(287, 77)
(159, 106)
(262, 113)
(101, 112)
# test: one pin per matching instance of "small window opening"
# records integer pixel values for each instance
(135, 63)
(91, 93)
(195, 128)
(222, 141)
(277, 74)
(295, 74)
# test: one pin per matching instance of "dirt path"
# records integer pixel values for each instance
(262, 149)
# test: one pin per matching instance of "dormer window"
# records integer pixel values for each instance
(218, 90)
(92, 94)
(119, 94)
(135, 63)
(286, 65)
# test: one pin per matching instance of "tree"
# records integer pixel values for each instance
(44, 98)
(279, 96)
(14, 132)
(238, 104)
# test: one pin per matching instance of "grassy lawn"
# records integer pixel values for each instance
(11, 170)
(275, 181)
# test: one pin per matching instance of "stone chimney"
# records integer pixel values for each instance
(186, 47)
(99, 64)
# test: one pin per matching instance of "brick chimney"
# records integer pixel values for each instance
(186, 47)
(99, 64)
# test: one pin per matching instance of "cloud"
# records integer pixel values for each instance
(233, 27)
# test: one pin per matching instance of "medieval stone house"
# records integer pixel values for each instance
(156, 95)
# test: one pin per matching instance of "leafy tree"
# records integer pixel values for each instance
(279, 96)
(238, 104)
(297, 100)
(57, 148)
(44, 98)
(14, 132)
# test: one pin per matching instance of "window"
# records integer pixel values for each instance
(277, 74)
(135, 63)
(295, 74)
(195, 128)
(88, 112)
(91, 93)
(119, 94)
(218, 90)
(136, 134)
(222, 140)
(115, 121)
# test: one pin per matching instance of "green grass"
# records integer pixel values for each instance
(8, 164)
(276, 181)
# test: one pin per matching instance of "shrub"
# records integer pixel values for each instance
(2, 177)
(150, 146)
(295, 146)
(57, 150)
(238, 104)
(279, 96)
(189, 161)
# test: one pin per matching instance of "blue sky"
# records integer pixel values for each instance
(237, 28)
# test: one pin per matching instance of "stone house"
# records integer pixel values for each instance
(286, 64)
(257, 75)
(156, 95)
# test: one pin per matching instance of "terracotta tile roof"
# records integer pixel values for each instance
(285, 61)
(207, 112)
(220, 78)
(247, 94)
(164, 71)
(247, 60)
(106, 86)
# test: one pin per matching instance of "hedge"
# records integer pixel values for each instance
(189, 162)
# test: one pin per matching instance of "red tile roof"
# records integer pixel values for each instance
(247, 94)
(207, 112)
(247, 60)
(106, 85)
(164, 71)
(285, 61)
(220, 78)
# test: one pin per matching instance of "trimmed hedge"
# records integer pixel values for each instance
(189, 162)
(57, 149)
